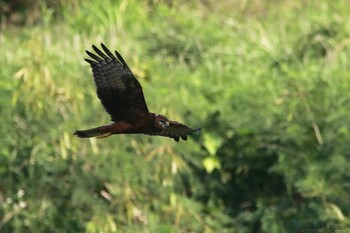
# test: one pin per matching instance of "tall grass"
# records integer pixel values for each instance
(268, 83)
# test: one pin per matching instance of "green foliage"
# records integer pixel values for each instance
(267, 83)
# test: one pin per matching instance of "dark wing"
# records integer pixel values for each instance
(176, 130)
(117, 88)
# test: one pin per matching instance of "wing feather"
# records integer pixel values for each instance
(121, 58)
(97, 58)
(176, 131)
(90, 61)
(117, 88)
(99, 52)
(110, 55)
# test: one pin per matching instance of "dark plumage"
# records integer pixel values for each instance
(122, 97)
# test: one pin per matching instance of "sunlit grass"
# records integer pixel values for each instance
(268, 84)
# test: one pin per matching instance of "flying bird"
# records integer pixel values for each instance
(122, 97)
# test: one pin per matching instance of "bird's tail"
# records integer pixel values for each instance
(99, 132)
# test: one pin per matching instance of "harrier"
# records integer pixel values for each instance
(122, 97)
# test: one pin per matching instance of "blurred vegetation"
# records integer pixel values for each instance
(268, 82)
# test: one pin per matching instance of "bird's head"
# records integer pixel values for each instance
(161, 121)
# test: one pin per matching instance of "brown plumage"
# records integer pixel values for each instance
(122, 97)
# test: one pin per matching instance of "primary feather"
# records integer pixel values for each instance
(117, 88)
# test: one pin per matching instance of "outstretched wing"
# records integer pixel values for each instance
(176, 130)
(117, 88)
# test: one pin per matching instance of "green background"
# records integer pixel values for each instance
(267, 81)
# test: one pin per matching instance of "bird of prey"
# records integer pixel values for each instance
(122, 97)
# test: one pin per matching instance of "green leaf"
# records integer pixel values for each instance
(210, 163)
(212, 143)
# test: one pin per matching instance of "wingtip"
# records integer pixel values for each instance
(103, 45)
(89, 61)
(89, 53)
(94, 47)
(107, 51)
(197, 131)
(97, 50)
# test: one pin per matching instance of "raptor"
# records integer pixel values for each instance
(122, 97)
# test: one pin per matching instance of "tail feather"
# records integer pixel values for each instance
(89, 133)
